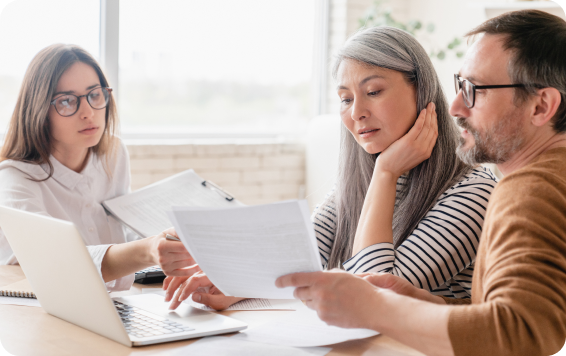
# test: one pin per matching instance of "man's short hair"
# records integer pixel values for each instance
(538, 42)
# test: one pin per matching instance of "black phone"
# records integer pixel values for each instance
(149, 275)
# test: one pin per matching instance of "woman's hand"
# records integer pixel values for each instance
(376, 219)
(172, 256)
(413, 148)
(185, 286)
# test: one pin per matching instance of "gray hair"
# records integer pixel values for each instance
(391, 48)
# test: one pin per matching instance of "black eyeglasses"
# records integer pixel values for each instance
(68, 104)
(469, 89)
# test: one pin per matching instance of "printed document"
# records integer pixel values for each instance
(243, 250)
(246, 304)
(144, 211)
(230, 346)
(302, 328)
(254, 304)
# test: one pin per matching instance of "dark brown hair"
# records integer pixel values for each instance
(538, 42)
(28, 138)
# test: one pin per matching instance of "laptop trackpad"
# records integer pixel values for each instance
(155, 304)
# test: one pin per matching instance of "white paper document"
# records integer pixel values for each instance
(229, 346)
(246, 304)
(28, 302)
(243, 250)
(302, 328)
(254, 304)
(144, 211)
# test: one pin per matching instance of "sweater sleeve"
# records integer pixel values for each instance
(444, 243)
(324, 220)
(520, 279)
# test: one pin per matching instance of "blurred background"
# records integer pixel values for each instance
(239, 90)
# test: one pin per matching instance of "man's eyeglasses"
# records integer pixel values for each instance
(469, 90)
(68, 104)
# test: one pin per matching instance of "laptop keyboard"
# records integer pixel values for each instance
(140, 323)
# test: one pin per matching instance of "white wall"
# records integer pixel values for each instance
(254, 172)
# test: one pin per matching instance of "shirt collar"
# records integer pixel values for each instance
(65, 176)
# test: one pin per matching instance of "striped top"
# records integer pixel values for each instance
(439, 254)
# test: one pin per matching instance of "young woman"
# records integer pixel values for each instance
(404, 203)
(61, 158)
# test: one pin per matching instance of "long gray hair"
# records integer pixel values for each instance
(391, 48)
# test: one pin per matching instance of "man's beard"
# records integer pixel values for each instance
(496, 145)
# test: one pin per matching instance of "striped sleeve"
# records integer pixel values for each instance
(439, 253)
(324, 220)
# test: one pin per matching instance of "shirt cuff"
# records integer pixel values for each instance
(97, 254)
(375, 258)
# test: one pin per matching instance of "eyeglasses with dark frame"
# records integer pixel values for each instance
(68, 104)
(469, 89)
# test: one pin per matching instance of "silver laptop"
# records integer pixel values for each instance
(67, 284)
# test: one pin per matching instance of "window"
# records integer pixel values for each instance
(215, 66)
(223, 67)
(27, 26)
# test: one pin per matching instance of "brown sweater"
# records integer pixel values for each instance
(519, 283)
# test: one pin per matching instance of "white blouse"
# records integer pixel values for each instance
(71, 196)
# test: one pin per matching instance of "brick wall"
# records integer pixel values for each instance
(254, 173)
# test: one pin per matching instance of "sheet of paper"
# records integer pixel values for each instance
(229, 346)
(144, 210)
(246, 304)
(243, 250)
(254, 304)
(28, 302)
(302, 328)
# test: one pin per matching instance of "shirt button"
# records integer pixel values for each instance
(91, 229)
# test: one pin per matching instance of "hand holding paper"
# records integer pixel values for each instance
(243, 250)
(340, 298)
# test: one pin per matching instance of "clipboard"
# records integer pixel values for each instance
(145, 210)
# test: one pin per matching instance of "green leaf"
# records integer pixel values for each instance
(441, 55)
(459, 54)
(430, 27)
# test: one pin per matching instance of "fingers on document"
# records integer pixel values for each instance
(195, 282)
(215, 301)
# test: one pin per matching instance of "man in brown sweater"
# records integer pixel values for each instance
(511, 105)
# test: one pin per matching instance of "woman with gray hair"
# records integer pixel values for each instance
(404, 203)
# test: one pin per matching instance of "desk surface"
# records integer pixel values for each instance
(31, 331)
